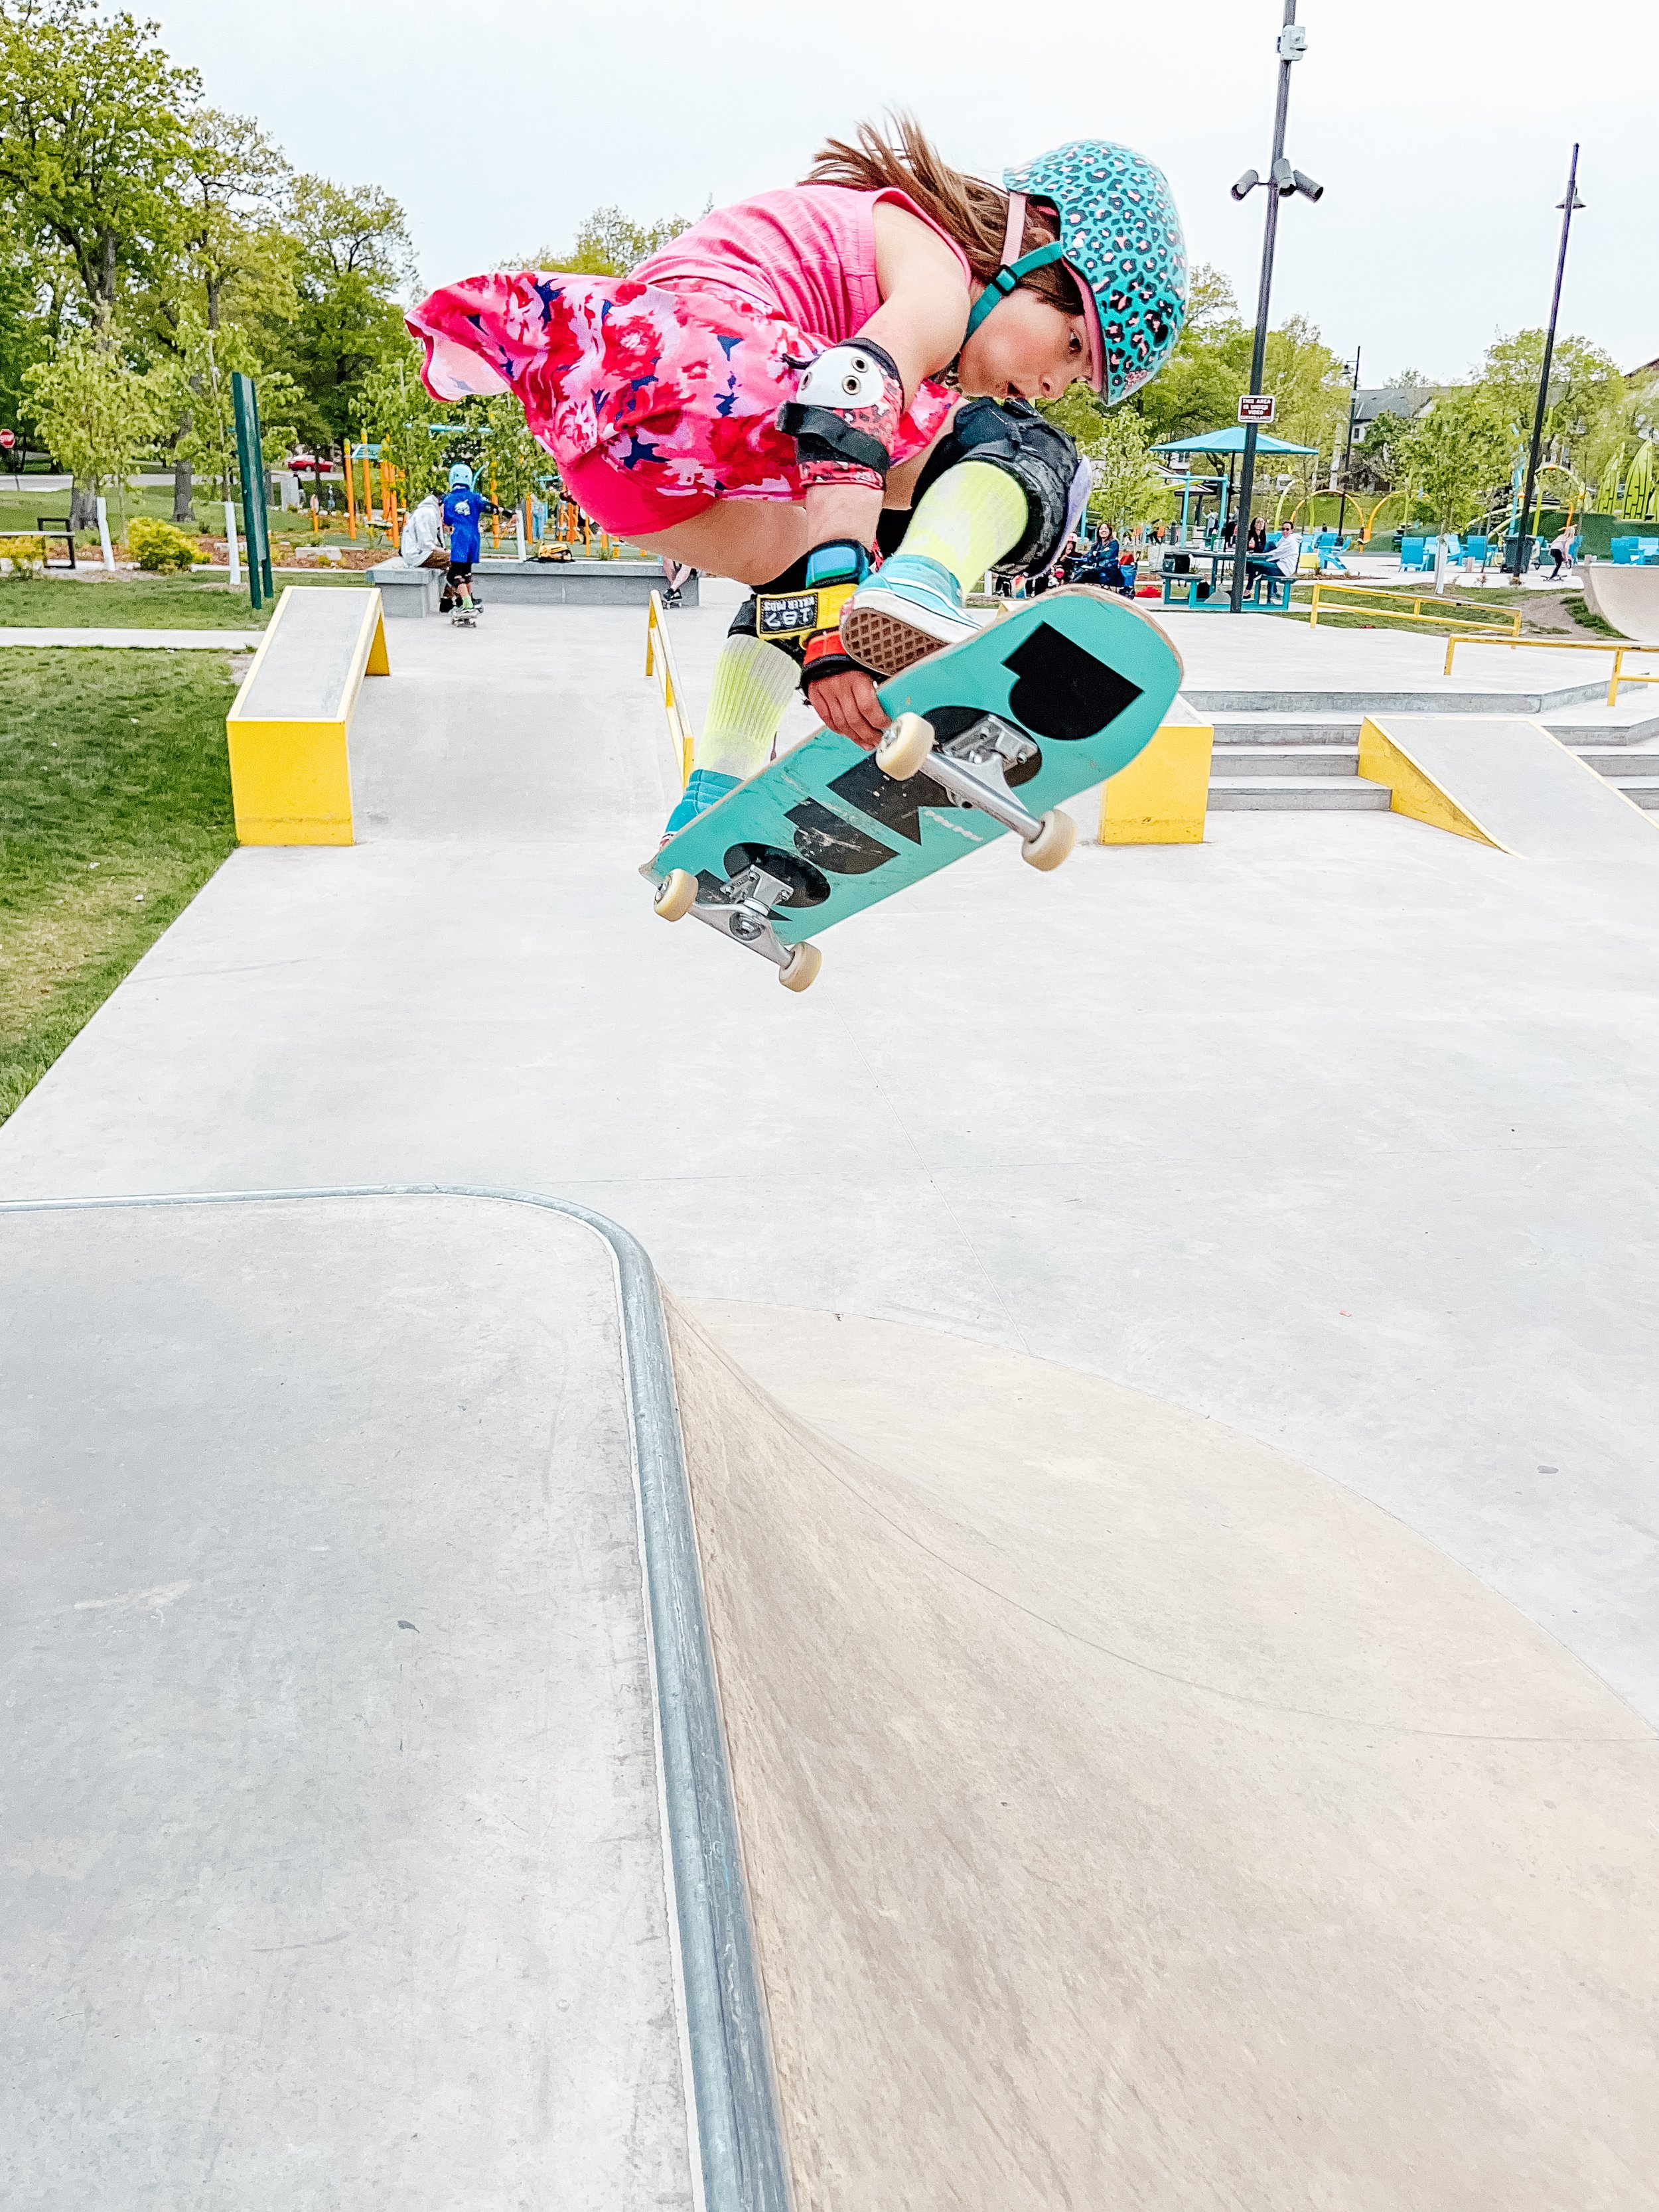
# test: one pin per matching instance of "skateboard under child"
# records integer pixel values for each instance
(984, 737)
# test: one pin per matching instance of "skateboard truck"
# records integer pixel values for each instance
(973, 766)
(742, 911)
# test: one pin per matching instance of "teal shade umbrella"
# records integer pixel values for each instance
(1229, 441)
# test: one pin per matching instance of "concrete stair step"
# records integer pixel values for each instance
(1286, 730)
(1261, 795)
(1607, 725)
(1618, 761)
(1643, 789)
(1231, 761)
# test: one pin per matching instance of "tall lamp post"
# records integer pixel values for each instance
(1347, 450)
(1519, 547)
(1280, 181)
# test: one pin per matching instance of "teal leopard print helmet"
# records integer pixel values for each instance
(1121, 239)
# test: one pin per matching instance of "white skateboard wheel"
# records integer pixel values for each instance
(909, 741)
(677, 895)
(1053, 842)
(799, 971)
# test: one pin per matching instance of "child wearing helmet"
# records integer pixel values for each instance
(463, 509)
(815, 376)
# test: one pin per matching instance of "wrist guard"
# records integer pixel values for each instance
(844, 416)
(801, 610)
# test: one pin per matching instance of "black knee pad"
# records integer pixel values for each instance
(1013, 437)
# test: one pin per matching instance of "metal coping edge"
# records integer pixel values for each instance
(740, 2139)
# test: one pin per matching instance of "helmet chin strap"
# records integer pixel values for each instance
(1012, 269)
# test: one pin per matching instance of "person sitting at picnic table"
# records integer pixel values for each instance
(1284, 560)
(1256, 538)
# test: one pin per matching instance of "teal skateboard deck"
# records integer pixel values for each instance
(985, 738)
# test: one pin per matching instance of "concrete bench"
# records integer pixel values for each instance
(290, 770)
(407, 591)
(538, 584)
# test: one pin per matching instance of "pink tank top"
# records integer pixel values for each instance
(808, 253)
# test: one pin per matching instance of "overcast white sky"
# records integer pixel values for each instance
(1441, 129)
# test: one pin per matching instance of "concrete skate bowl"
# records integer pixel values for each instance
(1628, 598)
(1135, 1819)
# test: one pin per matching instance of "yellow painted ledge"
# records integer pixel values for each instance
(290, 780)
(1161, 796)
(1413, 791)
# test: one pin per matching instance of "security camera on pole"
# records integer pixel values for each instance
(1280, 181)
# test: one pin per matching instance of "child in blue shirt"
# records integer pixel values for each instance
(464, 510)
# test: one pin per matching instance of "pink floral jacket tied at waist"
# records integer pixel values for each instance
(659, 393)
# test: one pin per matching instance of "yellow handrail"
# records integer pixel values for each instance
(657, 650)
(1490, 627)
(1567, 645)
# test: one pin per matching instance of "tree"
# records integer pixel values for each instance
(351, 256)
(1586, 393)
(609, 244)
(1128, 487)
(1458, 456)
(232, 176)
(90, 141)
(1198, 387)
(397, 410)
(191, 391)
(22, 337)
(94, 415)
(1378, 457)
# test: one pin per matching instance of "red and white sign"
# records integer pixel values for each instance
(1256, 407)
(7, 439)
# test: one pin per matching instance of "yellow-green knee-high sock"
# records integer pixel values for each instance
(754, 682)
(970, 518)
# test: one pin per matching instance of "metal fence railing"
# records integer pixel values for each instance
(660, 663)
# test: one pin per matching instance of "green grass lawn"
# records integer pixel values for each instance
(114, 810)
(147, 603)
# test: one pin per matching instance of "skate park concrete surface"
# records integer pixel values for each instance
(1164, 1354)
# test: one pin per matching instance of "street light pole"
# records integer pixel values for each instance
(1347, 450)
(1280, 181)
(1522, 541)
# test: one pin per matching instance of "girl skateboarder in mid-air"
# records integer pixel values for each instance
(763, 399)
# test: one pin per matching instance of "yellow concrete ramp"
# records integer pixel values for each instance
(1504, 781)
(1136, 1819)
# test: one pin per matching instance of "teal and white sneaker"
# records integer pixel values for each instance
(910, 607)
(705, 786)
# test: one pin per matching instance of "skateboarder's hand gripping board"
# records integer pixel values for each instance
(984, 737)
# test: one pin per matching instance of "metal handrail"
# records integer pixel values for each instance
(658, 650)
(1489, 627)
(1568, 645)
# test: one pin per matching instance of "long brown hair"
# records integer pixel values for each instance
(974, 214)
